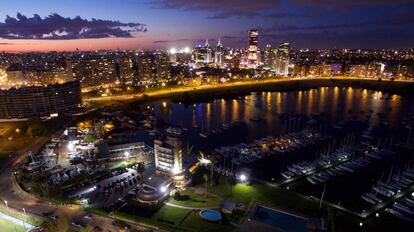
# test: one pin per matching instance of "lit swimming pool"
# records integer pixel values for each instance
(210, 215)
(282, 220)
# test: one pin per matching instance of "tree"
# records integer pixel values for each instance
(141, 170)
(205, 176)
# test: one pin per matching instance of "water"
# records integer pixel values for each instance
(337, 104)
(280, 220)
(211, 215)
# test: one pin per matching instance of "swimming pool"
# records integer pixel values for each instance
(210, 215)
(279, 219)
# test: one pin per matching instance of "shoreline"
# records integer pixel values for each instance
(188, 94)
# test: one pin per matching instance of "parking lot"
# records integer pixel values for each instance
(111, 191)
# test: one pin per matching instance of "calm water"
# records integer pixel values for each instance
(337, 104)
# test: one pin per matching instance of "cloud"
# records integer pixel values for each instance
(220, 9)
(346, 4)
(56, 27)
(171, 41)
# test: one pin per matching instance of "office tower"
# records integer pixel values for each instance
(253, 48)
(282, 60)
(269, 57)
(207, 50)
(218, 56)
(199, 54)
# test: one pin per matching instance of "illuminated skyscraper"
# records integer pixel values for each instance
(253, 48)
(207, 57)
(269, 57)
(282, 61)
(219, 53)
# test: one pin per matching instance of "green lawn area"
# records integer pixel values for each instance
(247, 194)
(20, 215)
(196, 200)
(173, 219)
(7, 226)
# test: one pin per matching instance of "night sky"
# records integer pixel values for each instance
(44, 25)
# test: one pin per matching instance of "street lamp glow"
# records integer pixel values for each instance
(186, 50)
(126, 154)
(163, 189)
(70, 146)
(361, 224)
(204, 161)
(243, 177)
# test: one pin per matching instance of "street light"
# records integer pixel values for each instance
(242, 177)
(70, 146)
(163, 189)
(126, 154)
(361, 224)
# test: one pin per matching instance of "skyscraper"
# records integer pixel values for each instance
(269, 57)
(207, 57)
(218, 55)
(282, 61)
(253, 48)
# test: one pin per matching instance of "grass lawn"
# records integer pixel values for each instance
(193, 222)
(20, 215)
(196, 200)
(247, 194)
(7, 226)
(171, 219)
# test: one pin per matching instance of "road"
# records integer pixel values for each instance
(182, 89)
(17, 199)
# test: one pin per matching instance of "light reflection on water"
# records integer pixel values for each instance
(338, 104)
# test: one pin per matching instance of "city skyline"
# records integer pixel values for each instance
(180, 23)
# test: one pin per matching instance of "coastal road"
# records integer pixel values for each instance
(181, 89)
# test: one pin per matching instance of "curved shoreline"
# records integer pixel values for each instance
(405, 88)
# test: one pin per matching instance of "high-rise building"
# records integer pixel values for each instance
(269, 57)
(146, 68)
(40, 101)
(124, 70)
(199, 54)
(168, 155)
(282, 60)
(253, 48)
(208, 52)
(218, 55)
(162, 66)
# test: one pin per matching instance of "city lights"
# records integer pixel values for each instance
(173, 51)
(206, 115)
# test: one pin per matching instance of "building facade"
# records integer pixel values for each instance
(40, 101)
(253, 48)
